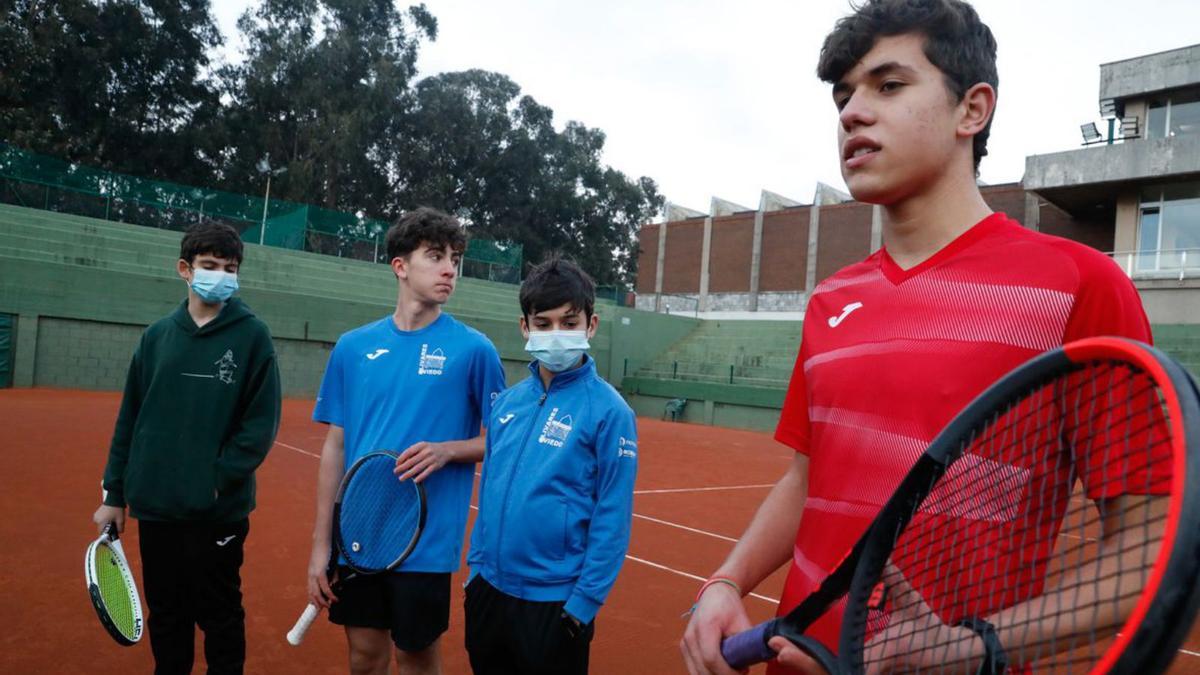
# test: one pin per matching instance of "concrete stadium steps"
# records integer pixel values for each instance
(116, 235)
(761, 353)
(87, 242)
(1182, 342)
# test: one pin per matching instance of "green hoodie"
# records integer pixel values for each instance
(200, 411)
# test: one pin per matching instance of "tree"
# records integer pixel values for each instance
(121, 84)
(471, 144)
(318, 93)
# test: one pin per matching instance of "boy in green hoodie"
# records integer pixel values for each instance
(199, 413)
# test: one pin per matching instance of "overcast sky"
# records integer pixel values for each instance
(719, 98)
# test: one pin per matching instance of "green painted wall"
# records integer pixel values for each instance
(82, 291)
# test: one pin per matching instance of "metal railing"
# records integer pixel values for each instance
(1167, 263)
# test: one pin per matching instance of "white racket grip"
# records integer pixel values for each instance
(296, 635)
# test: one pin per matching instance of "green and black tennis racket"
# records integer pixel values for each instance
(1053, 526)
(112, 589)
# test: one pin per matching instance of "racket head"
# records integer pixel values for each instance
(1006, 507)
(378, 519)
(112, 589)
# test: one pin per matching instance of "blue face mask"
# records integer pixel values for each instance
(214, 286)
(558, 350)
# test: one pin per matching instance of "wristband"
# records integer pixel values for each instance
(995, 661)
(719, 580)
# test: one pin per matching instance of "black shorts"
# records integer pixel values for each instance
(414, 606)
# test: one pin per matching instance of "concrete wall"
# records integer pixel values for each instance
(1141, 160)
(1126, 226)
(1153, 72)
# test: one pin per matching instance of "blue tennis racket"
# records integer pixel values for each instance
(377, 522)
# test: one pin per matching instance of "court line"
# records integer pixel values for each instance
(685, 527)
(681, 573)
(636, 515)
(299, 450)
(670, 524)
(693, 576)
(703, 489)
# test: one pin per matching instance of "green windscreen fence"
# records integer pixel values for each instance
(6, 350)
(43, 182)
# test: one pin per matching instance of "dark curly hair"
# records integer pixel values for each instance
(427, 226)
(957, 42)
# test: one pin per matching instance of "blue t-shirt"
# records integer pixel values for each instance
(389, 388)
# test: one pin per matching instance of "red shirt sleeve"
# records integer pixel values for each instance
(793, 429)
(1106, 303)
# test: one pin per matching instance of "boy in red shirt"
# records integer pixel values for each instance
(894, 346)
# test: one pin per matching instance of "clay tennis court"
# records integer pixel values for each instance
(697, 488)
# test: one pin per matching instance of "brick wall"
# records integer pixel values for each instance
(730, 253)
(1055, 221)
(844, 237)
(784, 261)
(1008, 199)
(681, 268)
(647, 269)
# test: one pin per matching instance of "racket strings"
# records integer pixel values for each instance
(1050, 493)
(379, 516)
(113, 583)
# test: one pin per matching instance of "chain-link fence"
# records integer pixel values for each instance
(38, 181)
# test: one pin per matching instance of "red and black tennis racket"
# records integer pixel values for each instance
(1053, 526)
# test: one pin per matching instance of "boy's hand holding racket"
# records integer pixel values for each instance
(420, 460)
(109, 514)
(377, 522)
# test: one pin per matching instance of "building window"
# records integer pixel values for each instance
(1169, 228)
(1174, 115)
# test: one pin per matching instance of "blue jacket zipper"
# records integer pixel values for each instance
(512, 476)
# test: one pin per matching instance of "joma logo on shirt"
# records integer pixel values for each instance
(432, 362)
(555, 431)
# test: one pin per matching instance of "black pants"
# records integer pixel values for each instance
(191, 576)
(510, 636)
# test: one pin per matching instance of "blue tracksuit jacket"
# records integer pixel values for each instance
(556, 494)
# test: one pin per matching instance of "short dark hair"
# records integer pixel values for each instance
(213, 238)
(557, 282)
(957, 42)
(428, 226)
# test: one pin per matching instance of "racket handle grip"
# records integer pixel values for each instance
(296, 635)
(750, 646)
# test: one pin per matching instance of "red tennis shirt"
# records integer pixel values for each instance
(889, 356)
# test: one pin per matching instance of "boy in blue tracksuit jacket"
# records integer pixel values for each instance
(556, 493)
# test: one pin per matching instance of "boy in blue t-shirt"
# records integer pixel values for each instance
(556, 496)
(418, 381)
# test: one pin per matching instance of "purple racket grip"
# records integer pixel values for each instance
(750, 646)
